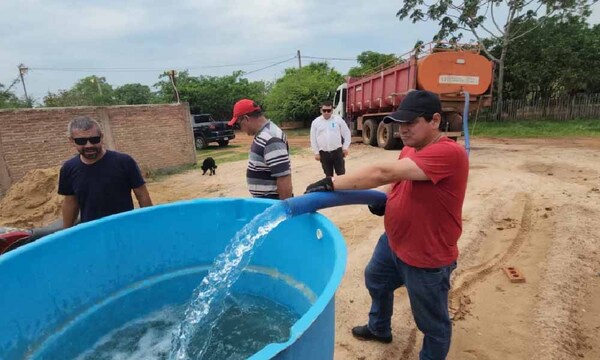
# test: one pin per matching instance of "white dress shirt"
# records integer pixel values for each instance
(326, 135)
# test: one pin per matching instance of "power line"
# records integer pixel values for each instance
(328, 58)
(99, 70)
(15, 81)
(270, 66)
(240, 64)
(132, 69)
(162, 69)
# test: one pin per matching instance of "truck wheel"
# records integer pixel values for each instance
(451, 121)
(201, 143)
(369, 133)
(385, 137)
(223, 142)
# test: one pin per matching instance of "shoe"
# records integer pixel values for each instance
(363, 333)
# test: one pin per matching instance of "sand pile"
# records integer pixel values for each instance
(33, 201)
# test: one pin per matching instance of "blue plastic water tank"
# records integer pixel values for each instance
(111, 271)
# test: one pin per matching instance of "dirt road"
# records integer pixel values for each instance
(531, 204)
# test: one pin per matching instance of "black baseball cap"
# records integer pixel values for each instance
(415, 104)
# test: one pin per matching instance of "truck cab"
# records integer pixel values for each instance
(339, 101)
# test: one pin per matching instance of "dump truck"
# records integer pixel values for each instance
(450, 72)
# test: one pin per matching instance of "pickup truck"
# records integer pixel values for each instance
(208, 130)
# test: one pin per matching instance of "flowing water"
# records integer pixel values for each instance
(207, 301)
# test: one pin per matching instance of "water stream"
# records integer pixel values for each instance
(208, 299)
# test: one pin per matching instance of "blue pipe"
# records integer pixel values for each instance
(466, 123)
(320, 200)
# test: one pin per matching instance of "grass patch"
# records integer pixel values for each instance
(233, 153)
(220, 154)
(223, 157)
(158, 175)
(537, 128)
(297, 132)
(296, 150)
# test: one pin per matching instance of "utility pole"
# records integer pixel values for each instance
(96, 80)
(171, 74)
(22, 71)
(299, 60)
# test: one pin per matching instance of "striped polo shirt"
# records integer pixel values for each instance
(269, 159)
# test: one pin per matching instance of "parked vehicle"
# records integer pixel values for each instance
(12, 238)
(365, 101)
(208, 130)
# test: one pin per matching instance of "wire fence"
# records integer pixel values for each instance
(580, 106)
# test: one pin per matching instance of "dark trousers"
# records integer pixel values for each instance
(427, 291)
(331, 160)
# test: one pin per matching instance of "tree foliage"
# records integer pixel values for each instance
(132, 94)
(480, 18)
(370, 61)
(89, 91)
(557, 57)
(297, 95)
(8, 99)
(211, 94)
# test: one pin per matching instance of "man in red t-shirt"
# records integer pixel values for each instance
(423, 221)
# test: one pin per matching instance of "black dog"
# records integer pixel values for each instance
(209, 165)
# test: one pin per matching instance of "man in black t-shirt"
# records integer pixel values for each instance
(97, 182)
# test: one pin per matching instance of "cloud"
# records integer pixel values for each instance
(192, 34)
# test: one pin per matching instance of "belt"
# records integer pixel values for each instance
(332, 151)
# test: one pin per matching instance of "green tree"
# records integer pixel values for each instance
(131, 94)
(370, 61)
(211, 94)
(89, 91)
(9, 100)
(473, 16)
(554, 58)
(298, 94)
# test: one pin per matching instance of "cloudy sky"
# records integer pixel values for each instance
(135, 40)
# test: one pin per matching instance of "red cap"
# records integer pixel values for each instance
(243, 107)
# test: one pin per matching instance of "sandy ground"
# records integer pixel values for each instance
(531, 204)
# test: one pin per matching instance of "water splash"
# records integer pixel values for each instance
(207, 301)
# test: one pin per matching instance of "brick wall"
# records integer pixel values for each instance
(157, 136)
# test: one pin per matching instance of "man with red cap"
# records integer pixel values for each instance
(269, 173)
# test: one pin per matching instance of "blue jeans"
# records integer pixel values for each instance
(427, 291)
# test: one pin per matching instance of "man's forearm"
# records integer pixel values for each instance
(379, 174)
(70, 210)
(284, 187)
(365, 178)
(143, 196)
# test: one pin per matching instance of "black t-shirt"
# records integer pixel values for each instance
(102, 188)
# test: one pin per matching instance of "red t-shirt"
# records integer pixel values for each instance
(423, 219)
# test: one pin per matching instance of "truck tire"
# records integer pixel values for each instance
(369, 133)
(451, 121)
(223, 142)
(385, 137)
(200, 143)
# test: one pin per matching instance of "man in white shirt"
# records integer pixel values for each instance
(330, 139)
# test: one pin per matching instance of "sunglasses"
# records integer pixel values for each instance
(326, 110)
(82, 141)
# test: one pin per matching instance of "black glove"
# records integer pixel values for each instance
(378, 210)
(322, 185)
